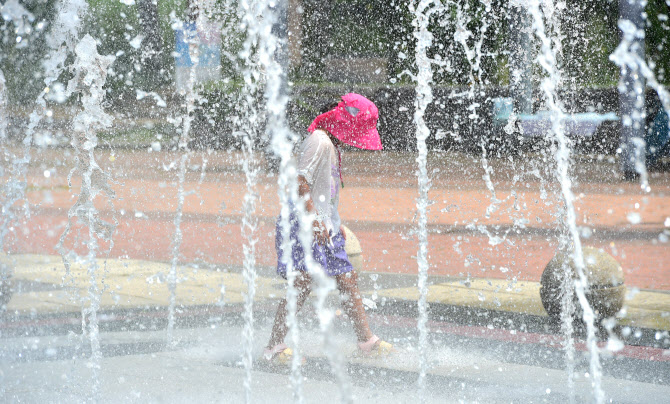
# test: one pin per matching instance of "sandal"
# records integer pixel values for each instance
(281, 354)
(375, 348)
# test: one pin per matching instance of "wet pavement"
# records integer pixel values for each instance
(492, 224)
(506, 229)
(43, 287)
(205, 365)
(488, 244)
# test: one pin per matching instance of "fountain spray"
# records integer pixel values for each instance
(548, 62)
(422, 11)
(61, 41)
(183, 145)
(247, 125)
(282, 140)
(635, 71)
(12, 190)
(90, 70)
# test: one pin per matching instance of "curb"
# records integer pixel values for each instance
(136, 284)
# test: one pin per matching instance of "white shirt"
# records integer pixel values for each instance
(319, 164)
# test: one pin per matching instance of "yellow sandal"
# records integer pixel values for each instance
(375, 348)
(280, 354)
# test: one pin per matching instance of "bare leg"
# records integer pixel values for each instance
(353, 304)
(280, 328)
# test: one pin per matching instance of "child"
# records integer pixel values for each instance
(352, 121)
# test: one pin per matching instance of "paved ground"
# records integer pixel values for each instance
(506, 230)
(488, 245)
(43, 286)
(502, 229)
(137, 368)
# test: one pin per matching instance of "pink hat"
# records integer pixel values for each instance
(353, 121)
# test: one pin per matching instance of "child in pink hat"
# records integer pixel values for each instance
(352, 121)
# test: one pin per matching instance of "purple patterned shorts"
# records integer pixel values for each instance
(333, 259)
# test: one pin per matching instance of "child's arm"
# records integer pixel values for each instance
(320, 231)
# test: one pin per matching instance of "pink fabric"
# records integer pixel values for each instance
(353, 121)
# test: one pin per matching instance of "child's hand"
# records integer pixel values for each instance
(320, 233)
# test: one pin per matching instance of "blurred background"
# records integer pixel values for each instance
(333, 47)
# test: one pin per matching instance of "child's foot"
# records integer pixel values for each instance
(375, 348)
(281, 354)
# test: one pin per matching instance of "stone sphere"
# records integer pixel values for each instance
(353, 248)
(606, 290)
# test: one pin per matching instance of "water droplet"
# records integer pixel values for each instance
(614, 345)
(634, 218)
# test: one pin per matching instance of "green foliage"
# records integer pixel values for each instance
(488, 27)
(361, 28)
(356, 28)
(115, 25)
(658, 39)
(588, 39)
(232, 38)
(377, 28)
(118, 28)
(21, 61)
(589, 34)
(140, 135)
(215, 119)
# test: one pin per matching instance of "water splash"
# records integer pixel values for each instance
(13, 190)
(3, 121)
(13, 11)
(5, 157)
(473, 55)
(568, 308)
(191, 96)
(627, 57)
(6, 154)
(424, 96)
(247, 124)
(547, 60)
(61, 40)
(90, 70)
(282, 140)
(474, 58)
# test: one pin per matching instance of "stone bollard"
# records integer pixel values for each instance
(353, 248)
(606, 289)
